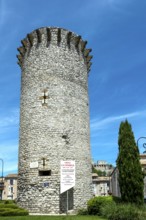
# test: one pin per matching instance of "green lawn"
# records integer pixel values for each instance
(51, 218)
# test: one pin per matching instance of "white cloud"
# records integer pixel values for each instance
(99, 124)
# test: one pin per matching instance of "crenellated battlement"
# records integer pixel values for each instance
(53, 35)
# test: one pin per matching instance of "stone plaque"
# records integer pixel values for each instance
(34, 165)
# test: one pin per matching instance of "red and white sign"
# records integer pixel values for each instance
(67, 175)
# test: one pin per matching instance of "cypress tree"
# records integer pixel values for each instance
(128, 163)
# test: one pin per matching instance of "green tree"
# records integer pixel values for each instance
(99, 172)
(128, 163)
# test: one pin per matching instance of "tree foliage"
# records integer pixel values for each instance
(128, 162)
(99, 172)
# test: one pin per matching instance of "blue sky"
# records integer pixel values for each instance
(116, 32)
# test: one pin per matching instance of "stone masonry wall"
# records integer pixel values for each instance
(54, 120)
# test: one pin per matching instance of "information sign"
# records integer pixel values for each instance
(67, 175)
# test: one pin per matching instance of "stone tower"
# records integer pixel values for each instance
(54, 120)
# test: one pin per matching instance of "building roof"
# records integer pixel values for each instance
(101, 179)
(11, 176)
(94, 174)
(143, 156)
(143, 159)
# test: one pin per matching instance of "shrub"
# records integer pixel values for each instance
(13, 212)
(117, 199)
(95, 204)
(8, 208)
(83, 212)
(8, 202)
(13, 206)
(115, 211)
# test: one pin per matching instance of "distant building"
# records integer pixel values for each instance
(101, 178)
(100, 185)
(103, 166)
(143, 164)
(114, 183)
(1, 187)
(10, 187)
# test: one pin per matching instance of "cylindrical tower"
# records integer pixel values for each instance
(54, 120)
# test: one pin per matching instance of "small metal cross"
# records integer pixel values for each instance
(43, 162)
(44, 97)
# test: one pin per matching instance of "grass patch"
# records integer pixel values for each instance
(52, 218)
